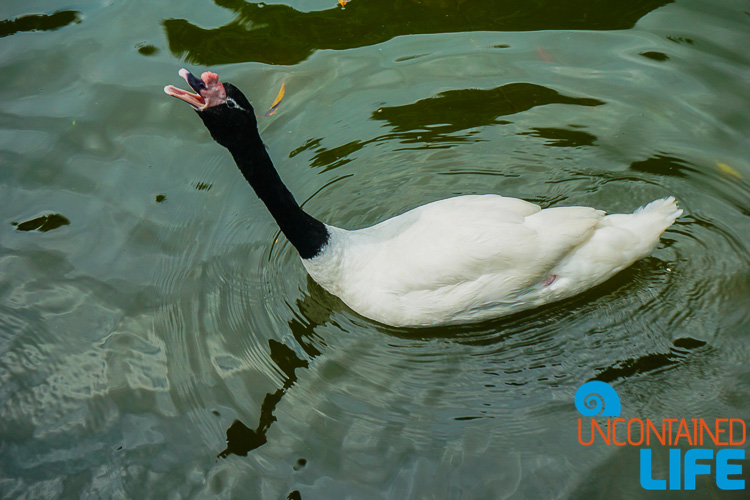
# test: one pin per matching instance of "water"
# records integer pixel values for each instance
(148, 302)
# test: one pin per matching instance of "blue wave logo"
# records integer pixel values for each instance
(597, 398)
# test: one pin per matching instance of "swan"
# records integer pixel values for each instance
(459, 260)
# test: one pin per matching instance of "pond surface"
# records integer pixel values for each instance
(150, 310)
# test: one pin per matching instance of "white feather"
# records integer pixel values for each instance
(472, 258)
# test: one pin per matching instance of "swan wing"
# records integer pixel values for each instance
(450, 256)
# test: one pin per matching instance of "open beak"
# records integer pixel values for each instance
(209, 90)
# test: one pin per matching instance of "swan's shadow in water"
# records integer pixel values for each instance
(316, 309)
(240, 438)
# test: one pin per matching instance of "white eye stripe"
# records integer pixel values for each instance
(233, 104)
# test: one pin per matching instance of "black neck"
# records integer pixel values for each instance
(307, 234)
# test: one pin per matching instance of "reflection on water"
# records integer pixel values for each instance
(432, 119)
(662, 165)
(151, 315)
(39, 22)
(563, 138)
(241, 439)
(678, 353)
(434, 123)
(280, 34)
(44, 223)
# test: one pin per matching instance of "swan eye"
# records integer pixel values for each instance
(231, 103)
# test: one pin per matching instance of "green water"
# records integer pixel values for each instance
(149, 308)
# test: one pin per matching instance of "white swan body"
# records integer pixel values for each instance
(472, 258)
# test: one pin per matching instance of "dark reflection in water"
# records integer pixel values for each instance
(279, 34)
(677, 354)
(559, 137)
(663, 164)
(436, 121)
(43, 224)
(146, 49)
(39, 22)
(455, 110)
(202, 186)
(655, 55)
(240, 438)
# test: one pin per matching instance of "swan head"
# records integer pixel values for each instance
(225, 111)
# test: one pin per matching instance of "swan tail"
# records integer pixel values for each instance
(645, 225)
(620, 240)
(657, 216)
(665, 208)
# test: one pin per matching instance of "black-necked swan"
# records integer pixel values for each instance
(457, 260)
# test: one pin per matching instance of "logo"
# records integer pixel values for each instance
(597, 400)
